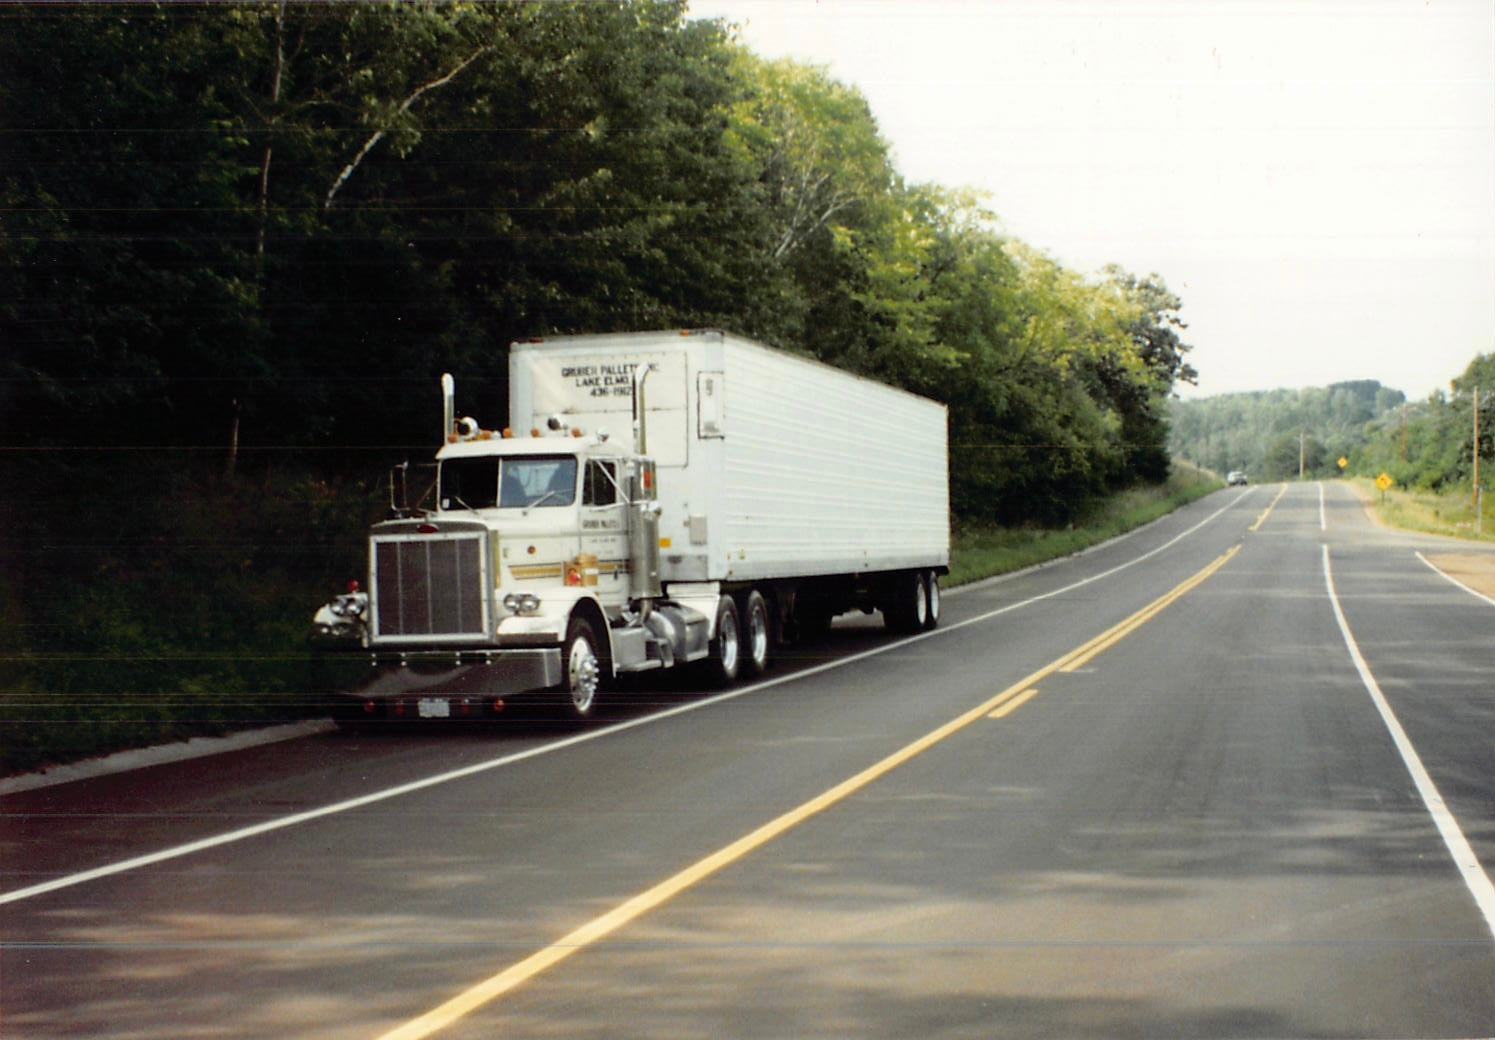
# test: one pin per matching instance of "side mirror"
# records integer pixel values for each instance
(399, 491)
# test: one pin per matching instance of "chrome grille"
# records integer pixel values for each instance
(429, 588)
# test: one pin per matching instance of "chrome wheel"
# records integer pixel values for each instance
(582, 670)
(726, 645)
(756, 633)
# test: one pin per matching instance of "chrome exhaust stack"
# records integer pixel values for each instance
(448, 407)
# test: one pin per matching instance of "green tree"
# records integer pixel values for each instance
(128, 291)
(1138, 383)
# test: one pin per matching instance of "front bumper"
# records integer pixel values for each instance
(447, 684)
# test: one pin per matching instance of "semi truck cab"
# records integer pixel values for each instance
(537, 567)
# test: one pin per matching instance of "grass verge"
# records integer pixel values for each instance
(977, 553)
(1448, 513)
(133, 620)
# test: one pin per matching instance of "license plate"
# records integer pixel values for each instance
(434, 708)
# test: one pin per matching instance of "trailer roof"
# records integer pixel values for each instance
(662, 338)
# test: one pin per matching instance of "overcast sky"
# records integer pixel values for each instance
(1315, 179)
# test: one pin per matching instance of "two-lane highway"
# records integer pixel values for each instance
(1146, 791)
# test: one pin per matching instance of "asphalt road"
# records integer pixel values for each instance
(1209, 820)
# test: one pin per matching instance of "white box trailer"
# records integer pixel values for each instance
(679, 497)
(770, 465)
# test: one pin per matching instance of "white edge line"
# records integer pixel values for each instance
(1464, 858)
(269, 826)
(1450, 578)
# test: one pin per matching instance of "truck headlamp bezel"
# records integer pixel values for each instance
(523, 604)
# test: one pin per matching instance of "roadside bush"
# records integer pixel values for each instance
(134, 618)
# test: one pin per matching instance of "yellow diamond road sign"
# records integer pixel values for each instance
(1343, 462)
(1384, 481)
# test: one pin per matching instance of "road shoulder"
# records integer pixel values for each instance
(1473, 570)
(161, 754)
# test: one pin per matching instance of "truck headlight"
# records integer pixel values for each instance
(522, 603)
(349, 606)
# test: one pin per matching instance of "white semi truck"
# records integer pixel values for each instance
(659, 499)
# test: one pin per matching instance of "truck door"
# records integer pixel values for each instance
(604, 530)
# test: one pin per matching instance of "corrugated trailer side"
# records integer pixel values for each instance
(771, 466)
(827, 473)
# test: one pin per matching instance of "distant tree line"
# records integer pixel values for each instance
(1425, 444)
(1262, 433)
(272, 225)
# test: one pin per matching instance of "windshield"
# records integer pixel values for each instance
(543, 481)
(481, 483)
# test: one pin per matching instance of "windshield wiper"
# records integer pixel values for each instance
(549, 494)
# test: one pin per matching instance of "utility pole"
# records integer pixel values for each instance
(1300, 454)
(1479, 514)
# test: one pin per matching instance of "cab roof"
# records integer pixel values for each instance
(555, 444)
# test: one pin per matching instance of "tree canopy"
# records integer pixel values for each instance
(279, 222)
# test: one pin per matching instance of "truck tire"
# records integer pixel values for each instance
(581, 670)
(726, 645)
(932, 599)
(757, 633)
(906, 604)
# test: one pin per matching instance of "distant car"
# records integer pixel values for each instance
(1236, 477)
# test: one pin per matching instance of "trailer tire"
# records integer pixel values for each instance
(932, 601)
(582, 676)
(906, 607)
(757, 633)
(726, 644)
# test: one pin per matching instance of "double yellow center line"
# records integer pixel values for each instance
(597, 929)
(1268, 510)
(1078, 658)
